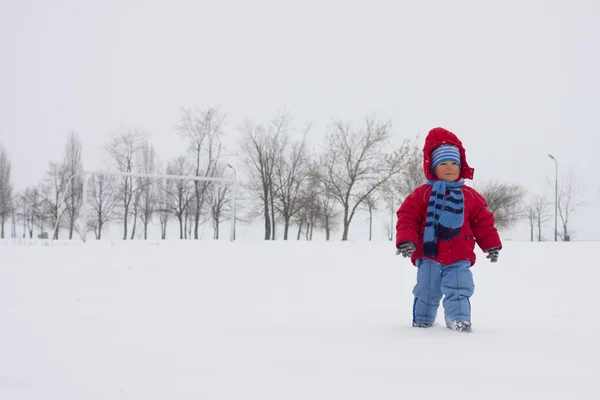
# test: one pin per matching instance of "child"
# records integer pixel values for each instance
(438, 226)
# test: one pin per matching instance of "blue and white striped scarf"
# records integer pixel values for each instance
(445, 214)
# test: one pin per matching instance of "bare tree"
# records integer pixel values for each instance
(504, 201)
(54, 195)
(403, 184)
(412, 175)
(163, 186)
(541, 208)
(73, 169)
(6, 189)
(13, 231)
(309, 212)
(135, 206)
(122, 151)
(103, 201)
(301, 220)
(62, 188)
(530, 215)
(22, 211)
(319, 207)
(220, 202)
(188, 217)
(327, 215)
(203, 131)
(261, 147)
(357, 165)
(31, 209)
(568, 203)
(291, 173)
(145, 201)
(537, 213)
(43, 210)
(391, 202)
(370, 204)
(179, 193)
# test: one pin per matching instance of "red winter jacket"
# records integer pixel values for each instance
(478, 224)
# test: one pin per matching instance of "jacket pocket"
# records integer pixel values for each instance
(463, 245)
(470, 242)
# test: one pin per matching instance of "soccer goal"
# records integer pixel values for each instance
(86, 175)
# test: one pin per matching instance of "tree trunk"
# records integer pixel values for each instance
(180, 218)
(55, 234)
(99, 231)
(299, 230)
(196, 224)
(286, 228)
(272, 218)
(71, 224)
(196, 211)
(13, 233)
(185, 225)
(267, 222)
(125, 223)
(370, 224)
(134, 225)
(75, 210)
(346, 224)
(345, 232)
(531, 233)
(566, 236)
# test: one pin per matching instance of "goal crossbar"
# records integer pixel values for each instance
(87, 174)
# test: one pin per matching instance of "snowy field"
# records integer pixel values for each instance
(297, 320)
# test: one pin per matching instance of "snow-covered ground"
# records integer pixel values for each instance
(296, 320)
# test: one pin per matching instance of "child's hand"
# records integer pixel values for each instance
(493, 254)
(406, 249)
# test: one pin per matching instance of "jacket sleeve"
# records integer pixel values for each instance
(410, 218)
(482, 223)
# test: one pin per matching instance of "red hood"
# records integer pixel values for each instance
(436, 137)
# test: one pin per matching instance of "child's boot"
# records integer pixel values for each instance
(421, 324)
(460, 326)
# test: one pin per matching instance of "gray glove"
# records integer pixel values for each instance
(406, 249)
(493, 254)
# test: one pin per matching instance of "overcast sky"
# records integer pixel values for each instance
(515, 80)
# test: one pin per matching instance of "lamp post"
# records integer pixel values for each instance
(234, 189)
(555, 198)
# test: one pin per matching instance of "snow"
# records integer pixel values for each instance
(295, 320)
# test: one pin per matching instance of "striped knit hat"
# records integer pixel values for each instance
(444, 152)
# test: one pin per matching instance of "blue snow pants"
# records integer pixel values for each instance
(454, 282)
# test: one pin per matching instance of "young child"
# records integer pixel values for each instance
(438, 226)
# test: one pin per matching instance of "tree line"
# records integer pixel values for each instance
(286, 183)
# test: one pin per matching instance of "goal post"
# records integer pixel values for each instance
(87, 174)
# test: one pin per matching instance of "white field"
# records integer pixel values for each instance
(296, 320)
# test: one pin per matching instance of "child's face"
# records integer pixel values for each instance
(447, 171)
